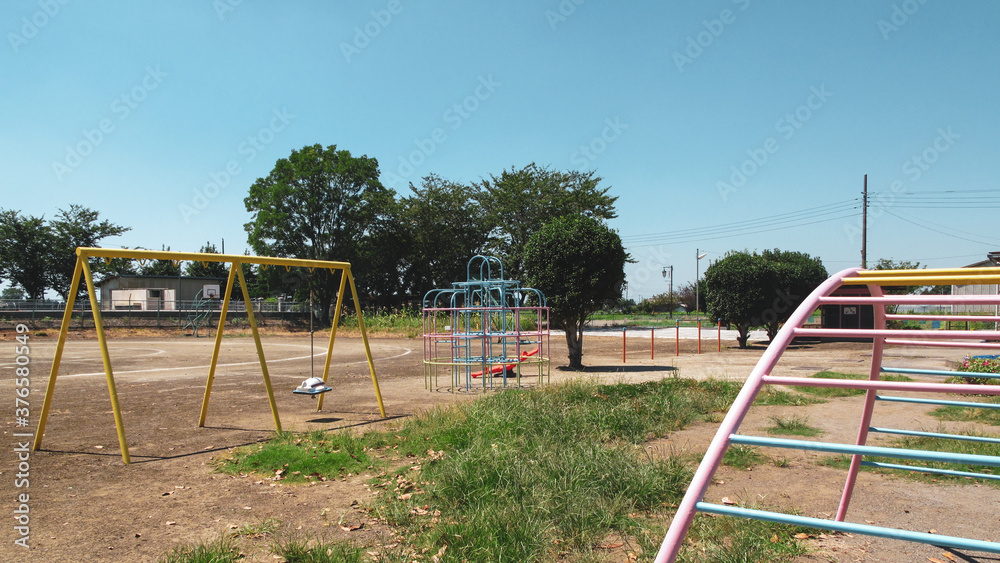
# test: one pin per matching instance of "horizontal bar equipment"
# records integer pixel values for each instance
(944, 372)
(851, 528)
(943, 344)
(922, 272)
(933, 470)
(911, 300)
(876, 451)
(85, 252)
(967, 404)
(966, 437)
(917, 386)
(897, 333)
(956, 279)
(956, 318)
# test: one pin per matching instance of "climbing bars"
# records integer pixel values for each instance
(879, 284)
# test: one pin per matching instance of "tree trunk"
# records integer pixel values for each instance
(574, 343)
(744, 334)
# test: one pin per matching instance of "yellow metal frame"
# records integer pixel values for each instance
(235, 271)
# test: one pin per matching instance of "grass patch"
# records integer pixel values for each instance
(743, 457)
(265, 529)
(299, 552)
(221, 551)
(792, 426)
(779, 397)
(970, 414)
(526, 475)
(723, 539)
(317, 455)
(832, 392)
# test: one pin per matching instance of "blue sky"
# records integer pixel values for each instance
(720, 125)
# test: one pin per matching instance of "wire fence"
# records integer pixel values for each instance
(182, 314)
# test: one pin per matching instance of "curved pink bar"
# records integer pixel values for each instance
(710, 463)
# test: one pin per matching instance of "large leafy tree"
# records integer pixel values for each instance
(319, 203)
(579, 264)
(71, 228)
(26, 245)
(519, 201)
(739, 289)
(445, 227)
(197, 269)
(797, 275)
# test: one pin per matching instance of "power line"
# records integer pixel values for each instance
(782, 220)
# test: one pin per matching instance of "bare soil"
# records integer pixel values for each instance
(86, 505)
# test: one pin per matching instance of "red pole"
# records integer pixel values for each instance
(720, 335)
(677, 338)
(652, 347)
(623, 345)
(699, 336)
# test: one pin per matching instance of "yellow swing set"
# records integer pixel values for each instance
(235, 271)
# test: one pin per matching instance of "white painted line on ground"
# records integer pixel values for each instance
(405, 352)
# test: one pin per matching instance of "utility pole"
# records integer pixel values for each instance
(864, 225)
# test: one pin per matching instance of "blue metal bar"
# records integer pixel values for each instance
(849, 527)
(966, 437)
(931, 470)
(944, 372)
(968, 404)
(898, 453)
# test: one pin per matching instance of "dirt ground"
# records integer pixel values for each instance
(86, 505)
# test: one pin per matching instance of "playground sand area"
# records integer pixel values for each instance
(86, 505)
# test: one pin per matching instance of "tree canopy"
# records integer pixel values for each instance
(579, 264)
(519, 201)
(26, 250)
(752, 290)
(322, 204)
(207, 269)
(74, 227)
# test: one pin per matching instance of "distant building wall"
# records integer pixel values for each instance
(144, 288)
(978, 289)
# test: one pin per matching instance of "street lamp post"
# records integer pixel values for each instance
(697, 275)
(671, 303)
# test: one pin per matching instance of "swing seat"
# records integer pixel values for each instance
(312, 386)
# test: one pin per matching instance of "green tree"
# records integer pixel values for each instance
(797, 275)
(196, 269)
(579, 264)
(162, 268)
(319, 203)
(72, 228)
(739, 289)
(519, 202)
(12, 293)
(890, 264)
(445, 227)
(26, 245)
